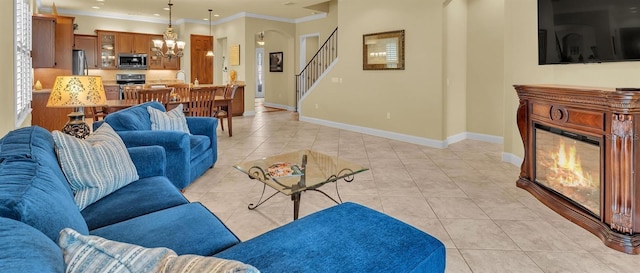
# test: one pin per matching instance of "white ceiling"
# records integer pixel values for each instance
(187, 10)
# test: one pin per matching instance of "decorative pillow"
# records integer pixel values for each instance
(87, 253)
(96, 166)
(200, 264)
(173, 120)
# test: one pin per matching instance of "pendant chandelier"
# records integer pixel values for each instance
(210, 52)
(170, 38)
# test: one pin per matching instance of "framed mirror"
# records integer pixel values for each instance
(383, 51)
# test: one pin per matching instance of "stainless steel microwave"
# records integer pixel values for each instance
(132, 61)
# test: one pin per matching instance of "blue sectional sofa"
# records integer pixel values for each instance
(189, 155)
(36, 202)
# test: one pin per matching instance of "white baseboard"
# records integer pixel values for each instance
(375, 132)
(506, 157)
(511, 158)
(249, 113)
(279, 106)
(475, 136)
(485, 138)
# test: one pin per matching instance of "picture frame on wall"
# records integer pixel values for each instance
(276, 61)
(383, 50)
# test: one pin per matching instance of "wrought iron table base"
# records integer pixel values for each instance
(295, 198)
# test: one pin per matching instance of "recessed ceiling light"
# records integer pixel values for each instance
(165, 8)
(100, 0)
(206, 19)
(95, 7)
(156, 14)
(216, 15)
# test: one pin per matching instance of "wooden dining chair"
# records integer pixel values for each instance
(162, 95)
(130, 92)
(181, 90)
(97, 112)
(201, 102)
(221, 111)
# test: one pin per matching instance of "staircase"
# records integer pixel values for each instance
(314, 69)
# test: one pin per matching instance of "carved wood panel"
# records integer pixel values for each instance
(621, 172)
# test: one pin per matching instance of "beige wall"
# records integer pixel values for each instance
(323, 27)
(279, 37)
(455, 67)
(7, 81)
(413, 97)
(485, 67)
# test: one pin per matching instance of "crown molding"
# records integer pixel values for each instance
(182, 21)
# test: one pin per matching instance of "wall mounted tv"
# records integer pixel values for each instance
(588, 31)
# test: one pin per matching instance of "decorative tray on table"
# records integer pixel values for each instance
(284, 169)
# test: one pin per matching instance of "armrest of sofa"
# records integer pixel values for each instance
(206, 126)
(177, 147)
(149, 160)
(203, 126)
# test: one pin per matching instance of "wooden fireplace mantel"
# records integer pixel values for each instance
(610, 115)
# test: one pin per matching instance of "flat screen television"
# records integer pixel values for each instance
(588, 31)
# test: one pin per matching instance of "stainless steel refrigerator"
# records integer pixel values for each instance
(80, 66)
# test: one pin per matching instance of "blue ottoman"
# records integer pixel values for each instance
(344, 238)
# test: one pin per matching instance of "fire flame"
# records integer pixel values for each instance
(566, 168)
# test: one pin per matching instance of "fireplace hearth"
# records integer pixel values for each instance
(580, 157)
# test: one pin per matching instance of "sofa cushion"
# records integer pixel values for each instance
(354, 238)
(199, 145)
(158, 193)
(186, 229)
(96, 166)
(95, 254)
(25, 249)
(30, 194)
(173, 120)
(133, 118)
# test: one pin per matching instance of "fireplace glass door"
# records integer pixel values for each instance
(569, 164)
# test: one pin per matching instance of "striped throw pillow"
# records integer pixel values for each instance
(95, 166)
(200, 264)
(173, 120)
(88, 253)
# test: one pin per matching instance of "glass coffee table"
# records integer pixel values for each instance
(296, 172)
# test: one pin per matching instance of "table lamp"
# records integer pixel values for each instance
(77, 92)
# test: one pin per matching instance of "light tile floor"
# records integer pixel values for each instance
(464, 195)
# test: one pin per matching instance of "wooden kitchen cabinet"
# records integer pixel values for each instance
(50, 118)
(43, 50)
(52, 41)
(88, 43)
(112, 92)
(64, 42)
(238, 102)
(133, 43)
(107, 49)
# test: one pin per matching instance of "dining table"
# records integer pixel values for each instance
(219, 101)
